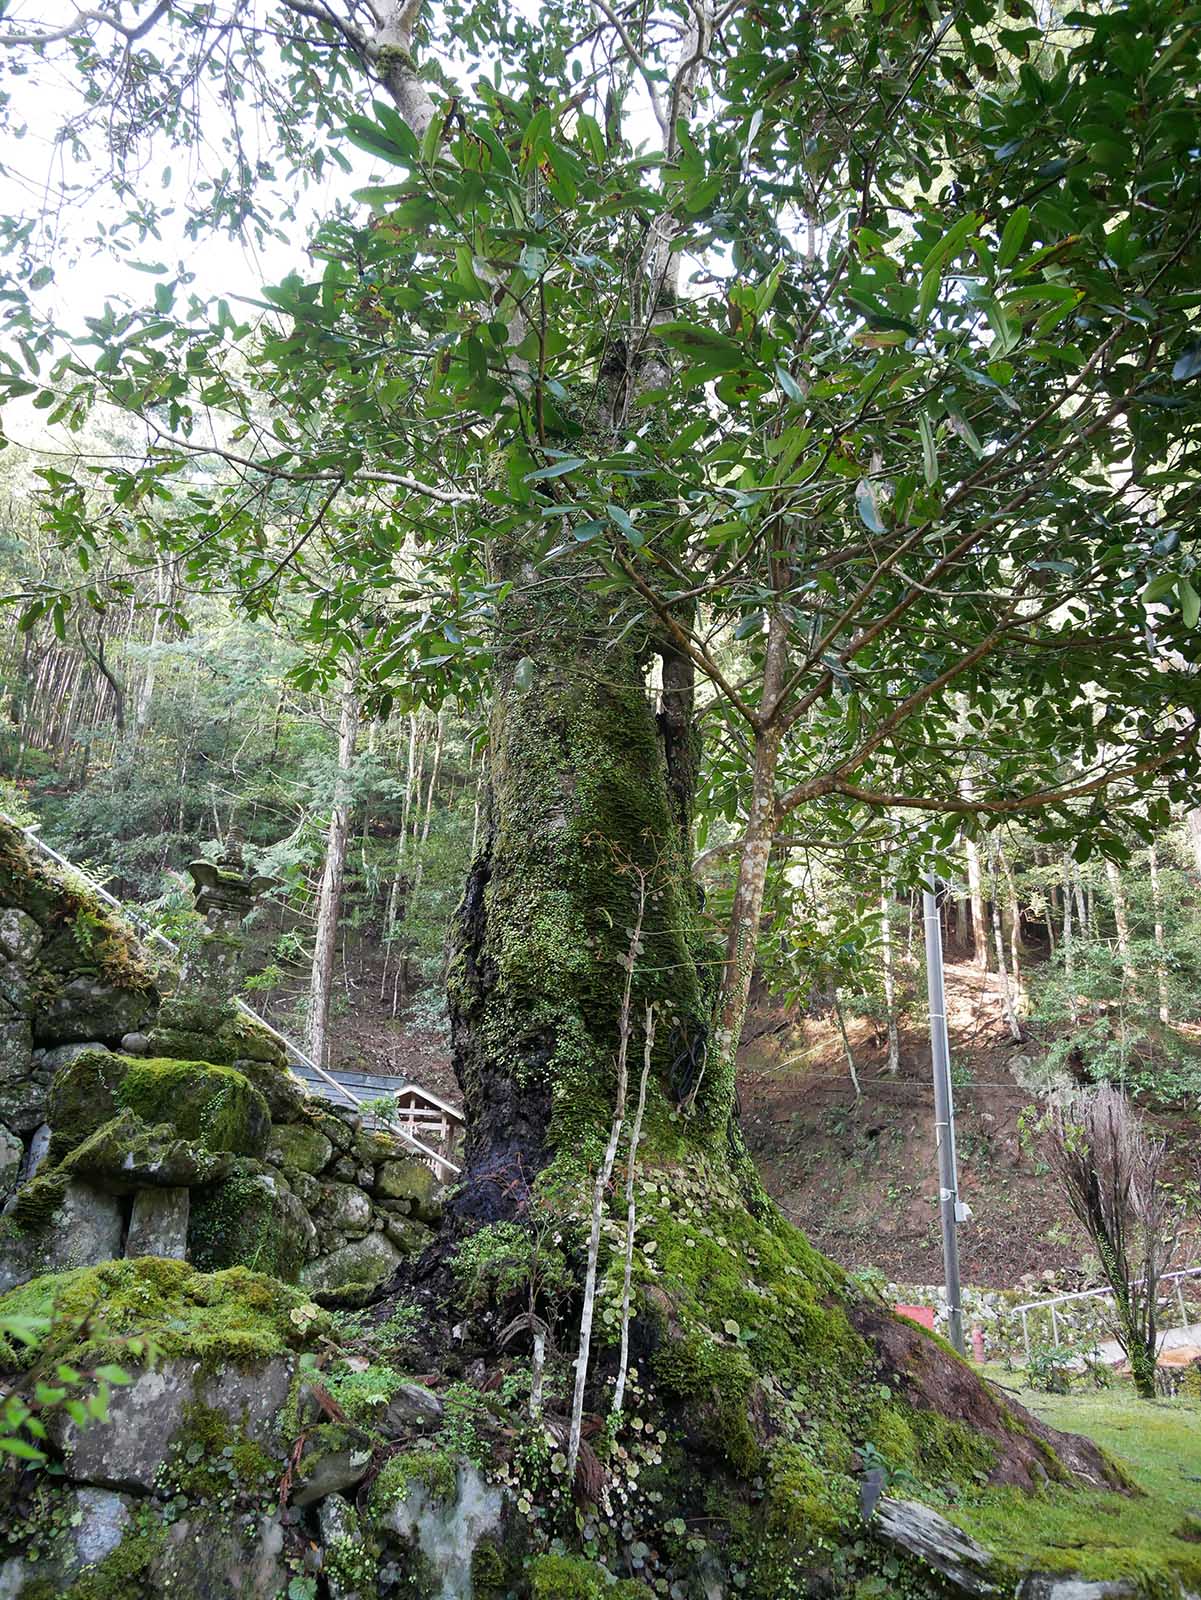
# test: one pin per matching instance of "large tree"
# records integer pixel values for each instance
(823, 380)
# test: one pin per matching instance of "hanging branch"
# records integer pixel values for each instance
(604, 1174)
(619, 1391)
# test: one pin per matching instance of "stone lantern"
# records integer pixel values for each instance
(225, 894)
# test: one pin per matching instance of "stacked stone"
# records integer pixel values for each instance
(132, 1124)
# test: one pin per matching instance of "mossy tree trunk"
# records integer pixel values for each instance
(588, 795)
(768, 1368)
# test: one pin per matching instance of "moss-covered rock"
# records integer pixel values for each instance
(232, 1318)
(285, 1094)
(80, 934)
(299, 1147)
(126, 1154)
(205, 1029)
(83, 1097)
(213, 1106)
(563, 1577)
(442, 1507)
(12, 1154)
(83, 1008)
(56, 1224)
(406, 1179)
(251, 1219)
(353, 1272)
(336, 1456)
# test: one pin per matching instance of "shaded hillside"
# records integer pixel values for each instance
(859, 1176)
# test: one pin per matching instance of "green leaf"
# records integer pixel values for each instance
(865, 503)
(378, 141)
(963, 428)
(950, 242)
(1188, 365)
(1190, 603)
(789, 384)
(557, 469)
(396, 128)
(1158, 587)
(621, 518)
(1014, 235)
(21, 1449)
(929, 449)
(523, 676)
(532, 260)
(710, 348)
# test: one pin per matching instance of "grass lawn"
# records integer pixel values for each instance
(1158, 1444)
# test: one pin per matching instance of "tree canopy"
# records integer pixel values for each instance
(923, 407)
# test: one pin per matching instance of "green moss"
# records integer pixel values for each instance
(363, 1395)
(36, 1203)
(435, 1471)
(489, 1571)
(559, 1577)
(716, 1383)
(124, 1154)
(213, 1105)
(235, 1317)
(246, 1221)
(948, 1451)
(743, 1302)
(122, 1573)
(299, 1148)
(82, 934)
(207, 1029)
(1064, 1529)
(83, 1098)
(211, 1459)
(807, 1511)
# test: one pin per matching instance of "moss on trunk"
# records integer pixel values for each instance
(580, 816)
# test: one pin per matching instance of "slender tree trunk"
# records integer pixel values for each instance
(1161, 970)
(1121, 919)
(145, 700)
(1007, 1001)
(840, 1017)
(752, 871)
(1194, 834)
(1014, 912)
(976, 904)
(1069, 954)
(329, 899)
(890, 999)
(439, 737)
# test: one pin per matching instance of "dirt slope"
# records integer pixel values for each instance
(859, 1176)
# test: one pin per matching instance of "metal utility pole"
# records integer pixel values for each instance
(949, 1208)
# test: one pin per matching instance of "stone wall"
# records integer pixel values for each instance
(140, 1119)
